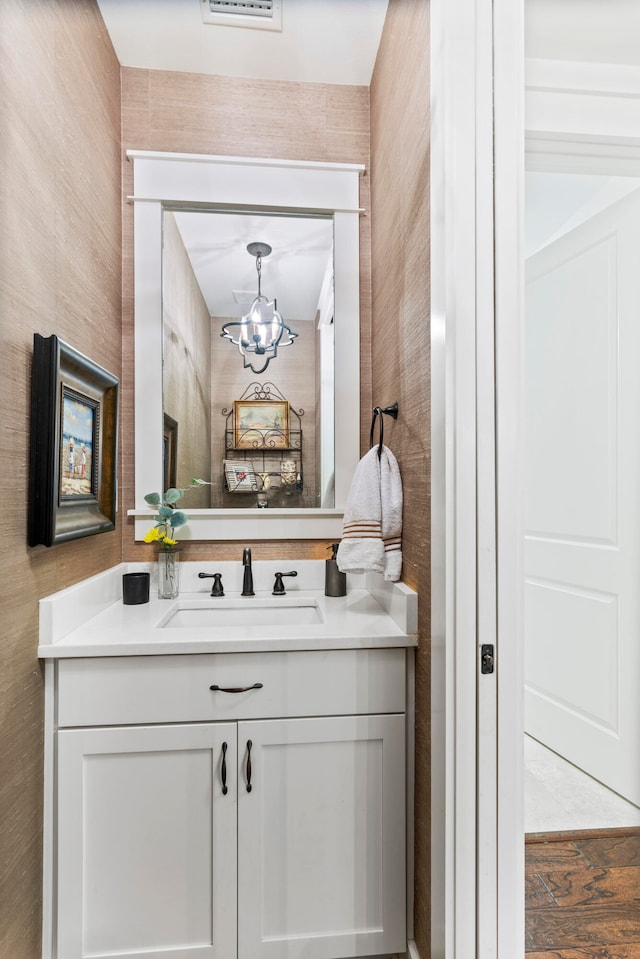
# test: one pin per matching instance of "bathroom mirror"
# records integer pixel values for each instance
(209, 209)
(209, 279)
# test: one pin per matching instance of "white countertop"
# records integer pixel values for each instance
(89, 619)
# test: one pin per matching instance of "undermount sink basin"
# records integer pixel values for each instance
(294, 611)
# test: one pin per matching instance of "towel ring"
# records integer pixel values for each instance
(378, 411)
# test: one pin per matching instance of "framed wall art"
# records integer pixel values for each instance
(261, 423)
(73, 453)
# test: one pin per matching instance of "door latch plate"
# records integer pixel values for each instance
(486, 658)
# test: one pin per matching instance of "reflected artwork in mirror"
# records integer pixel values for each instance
(208, 281)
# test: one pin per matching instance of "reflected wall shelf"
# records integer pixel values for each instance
(263, 444)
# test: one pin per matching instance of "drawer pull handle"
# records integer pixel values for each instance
(249, 745)
(235, 689)
(224, 769)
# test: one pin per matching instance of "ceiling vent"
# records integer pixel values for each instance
(260, 14)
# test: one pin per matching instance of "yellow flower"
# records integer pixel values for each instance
(167, 541)
(152, 536)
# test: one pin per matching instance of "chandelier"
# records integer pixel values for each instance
(262, 330)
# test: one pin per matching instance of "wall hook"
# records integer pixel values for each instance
(378, 411)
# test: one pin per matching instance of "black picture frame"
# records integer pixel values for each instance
(73, 453)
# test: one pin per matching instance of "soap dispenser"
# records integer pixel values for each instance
(335, 582)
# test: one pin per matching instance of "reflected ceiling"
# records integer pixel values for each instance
(216, 244)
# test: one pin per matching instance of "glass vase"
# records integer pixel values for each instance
(168, 573)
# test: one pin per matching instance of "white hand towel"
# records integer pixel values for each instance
(391, 508)
(362, 549)
(372, 527)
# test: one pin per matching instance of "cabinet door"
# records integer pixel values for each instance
(147, 842)
(321, 838)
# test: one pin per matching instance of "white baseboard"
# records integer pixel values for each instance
(412, 950)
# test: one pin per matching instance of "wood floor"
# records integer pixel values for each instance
(583, 894)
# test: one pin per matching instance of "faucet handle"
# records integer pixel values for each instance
(278, 586)
(216, 587)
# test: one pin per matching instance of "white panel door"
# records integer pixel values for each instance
(147, 842)
(321, 844)
(582, 501)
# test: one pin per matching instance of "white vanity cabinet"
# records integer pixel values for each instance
(191, 823)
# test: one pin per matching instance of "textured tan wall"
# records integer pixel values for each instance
(400, 340)
(192, 113)
(60, 272)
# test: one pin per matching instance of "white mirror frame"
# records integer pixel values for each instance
(214, 181)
